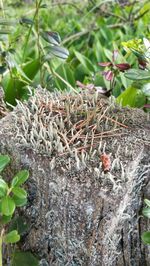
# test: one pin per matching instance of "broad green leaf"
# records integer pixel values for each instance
(106, 33)
(19, 202)
(123, 79)
(57, 51)
(20, 178)
(8, 206)
(99, 80)
(11, 237)
(146, 237)
(4, 160)
(3, 188)
(67, 74)
(147, 202)
(5, 219)
(108, 54)
(20, 224)
(19, 192)
(80, 72)
(131, 97)
(14, 88)
(146, 212)
(24, 259)
(85, 62)
(137, 74)
(98, 49)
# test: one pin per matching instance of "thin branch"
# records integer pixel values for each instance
(67, 3)
(114, 15)
(141, 15)
(82, 33)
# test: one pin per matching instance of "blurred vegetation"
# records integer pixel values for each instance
(89, 30)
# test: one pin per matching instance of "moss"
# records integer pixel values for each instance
(79, 214)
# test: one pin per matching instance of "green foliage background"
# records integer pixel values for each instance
(90, 30)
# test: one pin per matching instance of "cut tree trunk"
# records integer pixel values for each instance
(89, 173)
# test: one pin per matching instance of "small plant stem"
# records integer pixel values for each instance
(51, 70)
(2, 7)
(38, 38)
(1, 247)
(58, 76)
(9, 191)
(113, 82)
(30, 30)
(1, 262)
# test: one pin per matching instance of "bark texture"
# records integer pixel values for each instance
(78, 213)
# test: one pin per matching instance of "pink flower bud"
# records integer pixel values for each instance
(123, 66)
(105, 64)
(108, 75)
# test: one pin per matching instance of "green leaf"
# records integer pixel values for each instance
(146, 212)
(131, 97)
(43, 6)
(51, 37)
(85, 62)
(5, 219)
(14, 87)
(145, 7)
(146, 237)
(137, 53)
(7, 22)
(19, 192)
(20, 178)
(98, 50)
(20, 224)
(106, 33)
(24, 259)
(4, 160)
(3, 188)
(123, 79)
(80, 72)
(147, 202)
(18, 201)
(26, 21)
(5, 32)
(11, 237)
(2, 69)
(57, 51)
(8, 206)
(64, 70)
(137, 74)
(108, 54)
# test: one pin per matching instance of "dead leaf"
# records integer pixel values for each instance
(106, 162)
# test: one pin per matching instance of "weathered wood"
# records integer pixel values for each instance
(78, 213)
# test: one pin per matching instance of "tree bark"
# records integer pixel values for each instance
(80, 213)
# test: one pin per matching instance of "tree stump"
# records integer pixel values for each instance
(89, 173)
